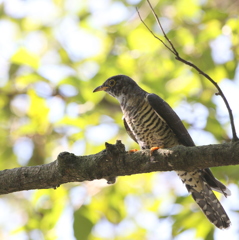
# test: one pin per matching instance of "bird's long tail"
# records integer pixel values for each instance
(206, 199)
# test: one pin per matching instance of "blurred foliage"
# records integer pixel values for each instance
(53, 54)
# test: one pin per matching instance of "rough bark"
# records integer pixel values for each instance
(115, 161)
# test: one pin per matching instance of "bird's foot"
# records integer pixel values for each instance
(152, 149)
(133, 150)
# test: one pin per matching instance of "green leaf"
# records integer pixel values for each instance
(82, 225)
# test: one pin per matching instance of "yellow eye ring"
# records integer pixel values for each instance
(111, 82)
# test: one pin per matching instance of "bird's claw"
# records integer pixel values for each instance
(152, 149)
(133, 150)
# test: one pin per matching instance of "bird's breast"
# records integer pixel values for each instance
(149, 129)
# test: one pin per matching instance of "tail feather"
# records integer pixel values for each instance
(200, 184)
(216, 185)
(210, 206)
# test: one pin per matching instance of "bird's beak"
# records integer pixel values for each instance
(100, 88)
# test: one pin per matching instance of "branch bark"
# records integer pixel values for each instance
(115, 161)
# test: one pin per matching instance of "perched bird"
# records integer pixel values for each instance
(153, 124)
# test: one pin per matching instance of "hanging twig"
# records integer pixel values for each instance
(172, 49)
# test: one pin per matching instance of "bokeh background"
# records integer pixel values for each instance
(53, 53)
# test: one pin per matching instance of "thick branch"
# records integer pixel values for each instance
(115, 161)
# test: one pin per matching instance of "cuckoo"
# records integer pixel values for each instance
(153, 124)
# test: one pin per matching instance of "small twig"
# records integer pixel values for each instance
(154, 34)
(175, 52)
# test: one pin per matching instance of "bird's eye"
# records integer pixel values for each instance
(111, 83)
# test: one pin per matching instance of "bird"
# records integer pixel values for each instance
(153, 124)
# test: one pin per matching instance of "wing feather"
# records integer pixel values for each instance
(171, 118)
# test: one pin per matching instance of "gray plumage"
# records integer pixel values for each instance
(151, 122)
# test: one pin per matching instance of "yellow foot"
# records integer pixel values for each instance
(152, 149)
(133, 150)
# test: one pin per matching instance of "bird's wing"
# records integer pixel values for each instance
(129, 131)
(171, 118)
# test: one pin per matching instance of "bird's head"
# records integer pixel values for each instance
(118, 86)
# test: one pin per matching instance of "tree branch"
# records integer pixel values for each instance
(172, 49)
(115, 161)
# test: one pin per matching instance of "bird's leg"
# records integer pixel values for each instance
(133, 150)
(152, 149)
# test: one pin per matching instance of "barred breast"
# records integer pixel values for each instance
(148, 127)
